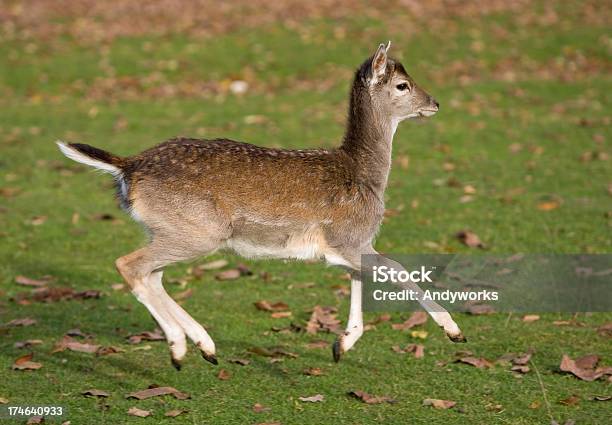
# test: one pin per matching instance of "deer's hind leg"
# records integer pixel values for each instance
(143, 271)
(137, 268)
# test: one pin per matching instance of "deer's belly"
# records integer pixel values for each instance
(271, 242)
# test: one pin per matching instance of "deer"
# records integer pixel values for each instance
(195, 197)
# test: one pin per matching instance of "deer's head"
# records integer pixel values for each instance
(393, 92)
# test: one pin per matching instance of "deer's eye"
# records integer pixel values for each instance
(402, 87)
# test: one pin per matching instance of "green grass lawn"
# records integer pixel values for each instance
(525, 120)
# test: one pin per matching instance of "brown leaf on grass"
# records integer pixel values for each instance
(439, 404)
(605, 329)
(258, 408)
(213, 265)
(38, 220)
(106, 350)
(281, 314)
(224, 375)
(417, 349)
(26, 321)
(25, 363)
(588, 373)
(470, 239)
(478, 362)
(230, 274)
(69, 343)
(95, 393)
(241, 362)
(480, 309)
(317, 398)
(520, 369)
(34, 420)
(417, 318)
(272, 352)
(530, 318)
(154, 391)
(587, 362)
(371, 399)
(135, 411)
(27, 343)
(313, 371)
(602, 398)
(317, 344)
(522, 359)
(26, 281)
(548, 205)
(174, 413)
(571, 400)
(323, 319)
(155, 335)
(264, 305)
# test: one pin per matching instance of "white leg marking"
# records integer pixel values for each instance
(354, 328)
(192, 328)
(171, 328)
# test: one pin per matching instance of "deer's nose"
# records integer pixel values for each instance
(436, 103)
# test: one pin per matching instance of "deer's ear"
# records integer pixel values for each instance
(379, 63)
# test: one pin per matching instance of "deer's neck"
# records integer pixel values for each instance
(368, 141)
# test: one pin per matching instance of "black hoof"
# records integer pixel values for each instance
(177, 365)
(458, 338)
(210, 358)
(336, 350)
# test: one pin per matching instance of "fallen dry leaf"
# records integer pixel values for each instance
(417, 349)
(25, 363)
(371, 399)
(158, 391)
(530, 318)
(323, 318)
(605, 329)
(95, 393)
(439, 404)
(313, 398)
(214, 265)
(33, 420)
(281, 314)
(27, 343)
(417, 318)
(602, 398)
(26, 321)
(69, 343)
(241, 362)
(135, 411)
(230, 274)
(224, 375)
(548, 205)
(258, 408)
(313, 371)
(571, 400)
(478, 362)
(174, 413)
(264, 305)
(155, 335)
(588, 373)
(26, 281)
(470, 239)
(419, 334)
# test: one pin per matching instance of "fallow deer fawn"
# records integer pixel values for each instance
(198, 196)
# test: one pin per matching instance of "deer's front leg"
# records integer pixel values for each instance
(354, 328)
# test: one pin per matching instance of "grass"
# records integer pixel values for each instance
(52, 90)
